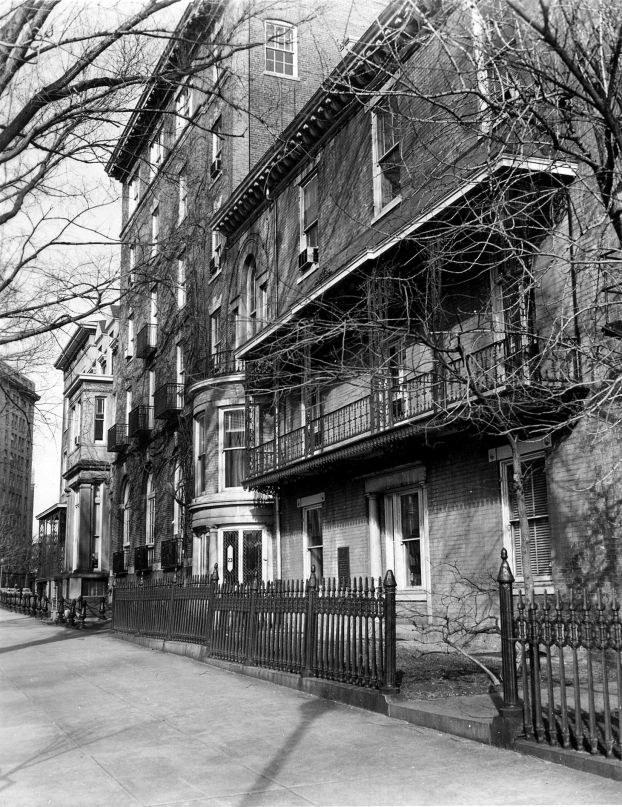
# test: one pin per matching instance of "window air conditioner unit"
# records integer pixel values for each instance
(307, 258)
(215, 168)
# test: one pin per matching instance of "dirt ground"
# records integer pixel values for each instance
(427, 675)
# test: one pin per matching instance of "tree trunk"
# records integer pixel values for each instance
(523, 519)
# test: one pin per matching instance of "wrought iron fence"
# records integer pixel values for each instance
(78, 612)
(335, 631)
(567, 686)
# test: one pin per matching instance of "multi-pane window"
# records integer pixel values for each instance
(182, 184)
(153, 307)
(181, 281)
(133, 192)
(97, 527)
(235, 323)
(127, 513)
(218, 243)
(100, 416)
(178, 500)
(313, 540)
(201, 447)
(182, 110)
(309, 213)
(281, 49)
(536, 501)
(132, 263)
(155, 229)
(216, 330)
(233, 447)
(387, 158)
(150, 512)
(156, 152)
(251, 295)
(129, 352)
(411, 538)
(217, 141)
(405, 517)
(180, 374)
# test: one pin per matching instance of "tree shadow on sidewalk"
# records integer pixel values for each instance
(61, 636)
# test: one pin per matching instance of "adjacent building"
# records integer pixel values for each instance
(17, 403)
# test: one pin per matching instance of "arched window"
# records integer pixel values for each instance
(251, 294)
(127, 513)
(150, 512)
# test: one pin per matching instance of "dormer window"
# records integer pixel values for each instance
(281, 49)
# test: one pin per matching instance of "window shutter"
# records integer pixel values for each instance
(536, 500)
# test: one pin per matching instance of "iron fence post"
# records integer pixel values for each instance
(390, 640)
(505, 579)
(251, 634)
(309, 644)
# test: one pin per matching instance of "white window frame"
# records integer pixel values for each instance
(182, 187)
(150, 506)
(508, 540)
(132, 263)
(155, 229)
(306, 558)
(99, 417)
(266, 554)
(97, 525)
(130, 347)
(153, 306)
(217, 245)
(221, 445)
(395, 545)
(133, 192)
(181, 281)
(127, 513)
(217, 143)
(275, 46)
(177, 507)
(380, 205)
(156, 151)
(305, 227)
(200, 443)
(216, 334)
(183, 108)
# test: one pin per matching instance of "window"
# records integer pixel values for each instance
(155, 229)
(313, 540)
(150, 512)
(100, 416)
(132, 263)
(536, 499)
(151, 379)
(281, 49)
(129, 352)
(406, 535)
(200, 441)
(216, 330)
(242, 557)
(308, 223)
(233, 447)
(76, 417)
(181, 281)
(235, 323)
(153, 307)
(182, 184)
(180, 374)
(133, 193)
(218, 243)
(97, 527)
(127, 513)
(217, 140)
(183, 110)
(128, 404)
(156, 152)
(386, 152)
(252, 294)
(397, 378)
(178, 500)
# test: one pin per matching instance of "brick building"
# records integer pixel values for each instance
(74, 533)
(17, 402)
(185, 149)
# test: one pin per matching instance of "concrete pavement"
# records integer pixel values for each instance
(89, 720)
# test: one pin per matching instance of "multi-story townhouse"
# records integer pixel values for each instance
(17, 402)
(74, 534)
(399, 287)
(187, 146)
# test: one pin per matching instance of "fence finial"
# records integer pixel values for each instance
(312, 581)
(505, 573)
(389, 580)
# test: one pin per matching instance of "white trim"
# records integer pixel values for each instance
(310, 501)
(306, 557)
(533, 164)
(294, 51)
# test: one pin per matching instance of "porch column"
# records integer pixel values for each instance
(213, 552)
(375, 550)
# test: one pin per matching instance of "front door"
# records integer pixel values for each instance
(242, 556)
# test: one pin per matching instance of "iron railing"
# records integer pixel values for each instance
(171, 554)
(120, 561)
(117, 437)
(342, 632)
(168, 401)
(492, 368)
(568, 687)
(78, 612)
(220, 363)
(146, 341)
(143, 558)
(140, 421)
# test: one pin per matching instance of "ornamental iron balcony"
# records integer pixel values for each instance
(494, 369)
(143, 558)
(168, 401)
(146, 341)
(118, 437)
(140, 421)
(221, 363)
(171, 554)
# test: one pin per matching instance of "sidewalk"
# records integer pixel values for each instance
(90, 720)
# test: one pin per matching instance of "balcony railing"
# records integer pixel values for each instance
(140, 421)
(495, 367)
(221, 363)
(146, 341)
(168, 401)
(117, 437)
(143, 558)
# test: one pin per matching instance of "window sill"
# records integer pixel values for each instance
(281, 75)
(386, 209)
(308, 273)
